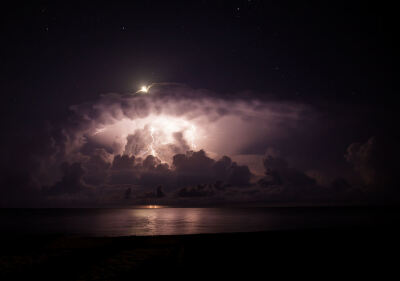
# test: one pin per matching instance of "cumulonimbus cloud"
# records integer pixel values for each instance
(173, 135)
(174, 120)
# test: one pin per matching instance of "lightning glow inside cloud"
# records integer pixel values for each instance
(173, 135)
(171, 120)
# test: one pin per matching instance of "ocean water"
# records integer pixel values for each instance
(156, 220)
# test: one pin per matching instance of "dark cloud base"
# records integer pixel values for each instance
(195, 179)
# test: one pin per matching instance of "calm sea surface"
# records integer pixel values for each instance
(167, 221)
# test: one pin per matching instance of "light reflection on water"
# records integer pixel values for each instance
(161, 220)
(150, 207)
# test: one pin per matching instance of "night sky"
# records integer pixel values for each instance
(299, 98)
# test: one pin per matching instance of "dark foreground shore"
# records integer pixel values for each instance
(338, 253)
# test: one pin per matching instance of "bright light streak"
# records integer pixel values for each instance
(99, 131)
(152, 151)
(144, 89)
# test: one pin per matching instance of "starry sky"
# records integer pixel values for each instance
(333, 65)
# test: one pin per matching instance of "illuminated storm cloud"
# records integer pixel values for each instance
(173, 136)
(171, 120)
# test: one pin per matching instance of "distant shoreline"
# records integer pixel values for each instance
(366, 205)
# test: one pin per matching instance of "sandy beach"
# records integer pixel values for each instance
(313, 253)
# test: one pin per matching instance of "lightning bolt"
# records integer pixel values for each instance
(152, 151)
(192, 136)
(99, 131)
